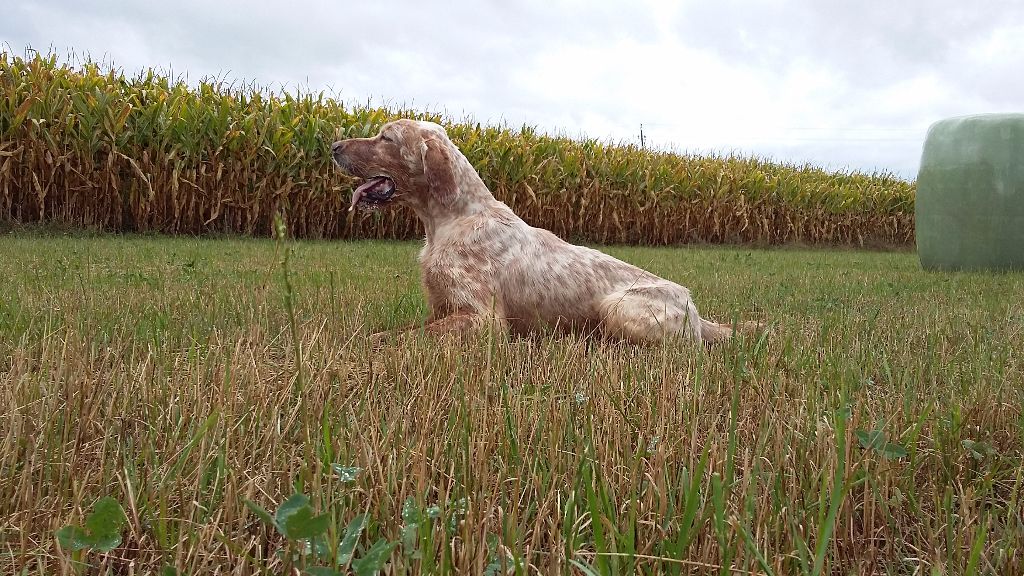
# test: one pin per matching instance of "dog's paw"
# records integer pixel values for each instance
(379, 340)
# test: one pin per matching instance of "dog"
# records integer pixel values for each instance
(482, 265)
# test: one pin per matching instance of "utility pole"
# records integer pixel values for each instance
(643, 143)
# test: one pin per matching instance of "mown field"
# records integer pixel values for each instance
(92, 146)
(877, 430)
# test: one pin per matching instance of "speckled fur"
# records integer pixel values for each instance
(482, 264)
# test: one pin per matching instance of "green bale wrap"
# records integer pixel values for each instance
(969, 210)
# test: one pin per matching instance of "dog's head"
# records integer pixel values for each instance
(407, 162)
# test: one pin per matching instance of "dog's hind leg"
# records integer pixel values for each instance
(650, 314)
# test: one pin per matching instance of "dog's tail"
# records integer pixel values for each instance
(713, 332)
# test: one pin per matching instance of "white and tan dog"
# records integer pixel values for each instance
(482, 264)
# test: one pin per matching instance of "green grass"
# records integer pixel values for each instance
(878, 429)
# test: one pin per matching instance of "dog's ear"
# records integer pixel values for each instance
(437, 167)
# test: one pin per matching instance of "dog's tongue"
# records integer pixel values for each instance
(366, 187)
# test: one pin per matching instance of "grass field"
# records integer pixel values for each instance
(877, 430)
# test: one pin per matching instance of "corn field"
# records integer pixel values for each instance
(87, 145)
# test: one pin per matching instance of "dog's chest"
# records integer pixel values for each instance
(447, 275)
(445, 268)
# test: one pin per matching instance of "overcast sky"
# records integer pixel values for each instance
(841, 84)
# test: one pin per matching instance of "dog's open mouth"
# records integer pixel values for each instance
(376, 191)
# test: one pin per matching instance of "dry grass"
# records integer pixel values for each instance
(162, 372)
(88, 146)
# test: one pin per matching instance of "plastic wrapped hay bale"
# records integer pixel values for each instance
(969, 210)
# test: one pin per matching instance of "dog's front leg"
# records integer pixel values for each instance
(380, 338)
(464, 323)
(457, 324)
